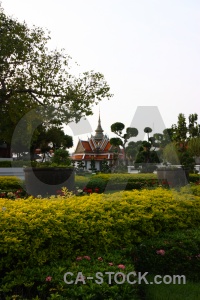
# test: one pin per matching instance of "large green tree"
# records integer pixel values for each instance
(184, 136)
(33, 76)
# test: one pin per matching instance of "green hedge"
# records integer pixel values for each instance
(35, 231)
(14, 164)
(38, 234)
(191, 189)
(10, 183)
(180, 254)
(123, 181)
(194, 178)
(117, 181)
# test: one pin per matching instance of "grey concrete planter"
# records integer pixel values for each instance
(175, 178)
(48, 181)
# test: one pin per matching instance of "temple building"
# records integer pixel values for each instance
(96, 150)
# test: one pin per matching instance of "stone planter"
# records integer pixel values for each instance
(197, 160)
(48, 181)
(175, 178)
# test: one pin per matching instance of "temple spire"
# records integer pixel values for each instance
(99, 131)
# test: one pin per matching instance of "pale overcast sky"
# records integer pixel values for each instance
(148, 51)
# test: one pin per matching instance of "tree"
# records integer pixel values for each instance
(181, 136)
(194, 127)
(117, 128)
(170, 154)
(147, 158)
(194, 146)
(180, 131)
(50, 135)
(61, 157)
(32, 76)
(105, 168)
(167, 137)
(147, 130)
(132, 149)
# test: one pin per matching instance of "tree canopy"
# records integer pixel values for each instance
(29, 68)
(33, 76)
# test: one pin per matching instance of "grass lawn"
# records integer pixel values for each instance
(188, 291)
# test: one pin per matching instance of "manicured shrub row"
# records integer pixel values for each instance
(10, 183)
(36, 231)
(120, 181)
(124, 181)
(15, 164)
(176, 253)
(194, 178)
(41, 239)
(191, 189)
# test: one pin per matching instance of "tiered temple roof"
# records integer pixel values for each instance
(97, 147)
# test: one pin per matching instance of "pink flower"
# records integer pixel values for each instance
(121, 267)
(87, 257)
(161, 252)
(48, 278)
(111, 264)
(100, 258)
(79, 258)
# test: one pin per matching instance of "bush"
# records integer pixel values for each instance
(10, 183)
(191, 189)
(39, 236)
(194, 178)
(14, 164)
(47, 282)
(99, 183)
(55, 227)
(61, 158)
(124, 181)
(172, 254)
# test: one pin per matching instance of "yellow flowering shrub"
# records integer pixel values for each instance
(35, 231)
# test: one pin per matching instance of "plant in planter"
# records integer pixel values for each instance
(47, 178)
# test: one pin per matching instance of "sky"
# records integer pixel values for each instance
(148, 51)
